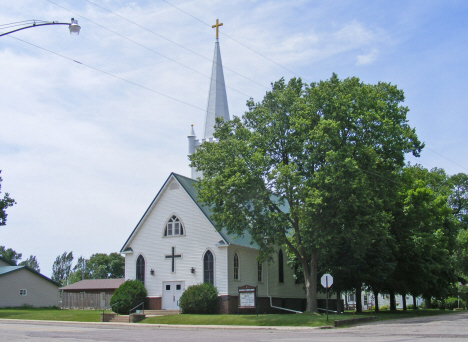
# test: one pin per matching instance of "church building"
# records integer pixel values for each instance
(176, 245)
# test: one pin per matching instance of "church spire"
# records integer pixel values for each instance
(217, 103)
(217, 99)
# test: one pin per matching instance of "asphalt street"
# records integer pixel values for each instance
(440, 328)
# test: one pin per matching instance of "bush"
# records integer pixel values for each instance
(383, 307)
(410, 307)
(199, 299)
(123, 298)
(437, 304)
(452, 303)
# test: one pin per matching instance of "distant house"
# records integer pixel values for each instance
(97, 286)
(21, 285)
(89, 293)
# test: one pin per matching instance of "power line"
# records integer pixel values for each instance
(447, 158)
(145, 47)
(238, 42)
(170, 40)
(109, 74)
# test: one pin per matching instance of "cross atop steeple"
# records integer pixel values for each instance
(217, 25)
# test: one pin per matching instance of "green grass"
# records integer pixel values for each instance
(298, 320)
(51, 314)
(294, 320)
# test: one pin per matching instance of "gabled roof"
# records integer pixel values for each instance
(188, 185)
(9, 269)
(95, 284)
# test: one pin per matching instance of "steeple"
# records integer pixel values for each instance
(217, 99)
(217, 103)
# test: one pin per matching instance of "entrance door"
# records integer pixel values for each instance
(172, 290)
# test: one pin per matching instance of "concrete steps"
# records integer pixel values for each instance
(161, 312)
(120, 319)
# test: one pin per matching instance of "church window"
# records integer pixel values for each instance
(280, 267)
(259, 271)
(140, 269)
(208, 268)
(236, 266)
(174, 227)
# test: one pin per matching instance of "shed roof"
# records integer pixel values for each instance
(94, 284)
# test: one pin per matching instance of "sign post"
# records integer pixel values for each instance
(247, 298)
(326, 281)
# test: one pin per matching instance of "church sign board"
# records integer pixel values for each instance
(247, 297)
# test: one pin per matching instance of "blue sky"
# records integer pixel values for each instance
(84, 153)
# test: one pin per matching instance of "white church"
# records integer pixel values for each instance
(175, 244)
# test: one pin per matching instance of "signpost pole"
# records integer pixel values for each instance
(327, 296)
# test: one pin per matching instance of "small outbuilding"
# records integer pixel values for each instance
(89, 293)
(21, 285)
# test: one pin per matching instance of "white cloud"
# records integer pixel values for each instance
(368, 58)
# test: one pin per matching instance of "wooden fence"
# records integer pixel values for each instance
(84, 300)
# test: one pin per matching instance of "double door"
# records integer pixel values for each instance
(172, 290)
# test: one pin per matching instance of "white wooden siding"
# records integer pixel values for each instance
(200, 236)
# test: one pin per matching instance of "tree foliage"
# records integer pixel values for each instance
(124, 297)
(5, 202)
(10, 255)
(31, 262)
(98, 266)
(308, 167)
(61, 268)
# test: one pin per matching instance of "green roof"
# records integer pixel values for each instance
(189, 185)
(8, 269)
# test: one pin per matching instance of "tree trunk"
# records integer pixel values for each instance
(403, 299)
(376, 301)
(311, 282)
(415, 306)
(392, 301)
(427, 303)
(358, 299)
(339, 309)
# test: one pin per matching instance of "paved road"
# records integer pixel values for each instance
(451, 328)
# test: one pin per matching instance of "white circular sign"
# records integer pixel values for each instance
(326, 279)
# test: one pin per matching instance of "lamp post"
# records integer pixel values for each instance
(72, 26)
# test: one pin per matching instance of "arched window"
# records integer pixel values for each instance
(174, 227)
(236, 266)
(140, 269)
(280, 267)
(208, 268)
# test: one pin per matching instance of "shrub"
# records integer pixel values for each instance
(410, 307)
(383, 307)
(123, 298)
(437, 304)
(199, 299)
(452, 303)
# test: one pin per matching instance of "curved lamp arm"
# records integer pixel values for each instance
(73, 27)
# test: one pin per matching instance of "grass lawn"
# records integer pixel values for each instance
(49, 314)
(294, 320)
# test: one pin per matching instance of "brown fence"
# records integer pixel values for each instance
(84, 300)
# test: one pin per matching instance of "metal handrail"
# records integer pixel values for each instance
(135, 308)
(110, 306)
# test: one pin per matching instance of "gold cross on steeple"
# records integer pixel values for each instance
(217, 27)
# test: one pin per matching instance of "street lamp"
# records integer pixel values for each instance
(72, 26)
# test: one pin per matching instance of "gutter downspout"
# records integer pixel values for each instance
(271, 299)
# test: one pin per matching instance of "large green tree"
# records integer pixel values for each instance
(308, 167)
(5, 202)
(98, 266)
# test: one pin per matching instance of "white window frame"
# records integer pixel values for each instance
(236, 267)
(260, 272)
(23, 292)
(170, 227)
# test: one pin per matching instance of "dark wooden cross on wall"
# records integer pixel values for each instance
(173, 256)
